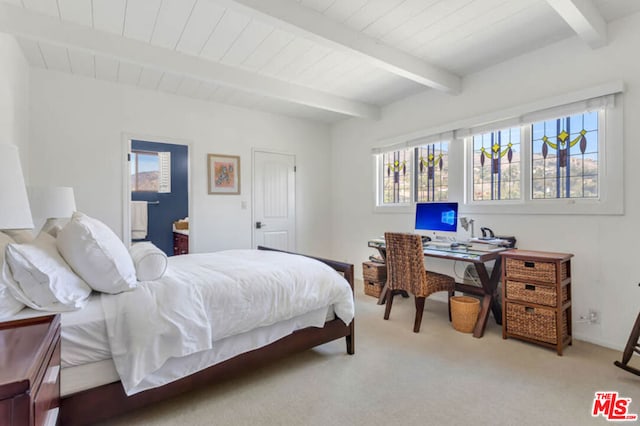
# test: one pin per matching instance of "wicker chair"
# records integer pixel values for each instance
(406, 272)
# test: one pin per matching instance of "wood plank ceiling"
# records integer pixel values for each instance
(318, 59)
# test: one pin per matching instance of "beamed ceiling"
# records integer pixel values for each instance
(324, 60)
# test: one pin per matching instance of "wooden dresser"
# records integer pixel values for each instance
(180, 243)
(536, 297)
(30, 371)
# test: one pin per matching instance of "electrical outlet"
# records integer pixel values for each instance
(592, 317)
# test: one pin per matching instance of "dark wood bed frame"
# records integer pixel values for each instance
(106, 401)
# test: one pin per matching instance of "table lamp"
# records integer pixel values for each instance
(466, 223)
(14, 204)
(51, 205)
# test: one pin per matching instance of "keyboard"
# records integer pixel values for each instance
(437, 244)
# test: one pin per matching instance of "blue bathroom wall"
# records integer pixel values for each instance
(171, 206)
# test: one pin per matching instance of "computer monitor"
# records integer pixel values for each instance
(439, 221)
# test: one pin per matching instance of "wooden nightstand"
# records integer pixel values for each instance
(30, 371)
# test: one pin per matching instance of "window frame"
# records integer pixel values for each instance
(379, 206)
(610, 162)
(135, 162)
(610, 200)
(468, 166)
(164, 171)
(378, 167)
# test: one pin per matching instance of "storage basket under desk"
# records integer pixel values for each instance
(536, 295)
(373, 289)
(375, 276)
(374, 272)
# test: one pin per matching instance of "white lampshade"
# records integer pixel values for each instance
(49, 202)
(14, 204)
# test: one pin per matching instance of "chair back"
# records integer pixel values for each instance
(405, 263)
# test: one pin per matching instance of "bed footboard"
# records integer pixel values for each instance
(346, 269)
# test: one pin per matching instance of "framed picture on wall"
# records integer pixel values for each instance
(224, 174)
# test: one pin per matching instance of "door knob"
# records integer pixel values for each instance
(260, 225)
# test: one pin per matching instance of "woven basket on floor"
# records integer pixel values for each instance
(372, 288)
(374, 272)
(464, 313)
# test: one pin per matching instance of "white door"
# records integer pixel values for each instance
(274, 211)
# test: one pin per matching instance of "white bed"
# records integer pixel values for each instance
(227, 301)
(138, 327)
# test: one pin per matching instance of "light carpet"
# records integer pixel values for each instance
(396, 377)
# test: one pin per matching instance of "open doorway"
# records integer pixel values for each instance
(159, 195)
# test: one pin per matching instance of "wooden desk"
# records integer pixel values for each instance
(489, 290)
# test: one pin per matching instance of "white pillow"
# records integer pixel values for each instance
(9, 305)
(96, 253)
(150, 262)
(41, 279)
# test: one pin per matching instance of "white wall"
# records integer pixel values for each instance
(605, 272)
(77, 127)
(14, 97)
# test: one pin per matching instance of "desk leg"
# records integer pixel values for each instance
(483, 316)
(496, 302)
(383, 294)
(490, 299)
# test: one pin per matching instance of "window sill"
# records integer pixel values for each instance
(550, 207)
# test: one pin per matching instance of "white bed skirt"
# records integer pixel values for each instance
(82, 377)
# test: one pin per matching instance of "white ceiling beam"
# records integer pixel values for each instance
(34, 26)
(584, 18)
(309, 23)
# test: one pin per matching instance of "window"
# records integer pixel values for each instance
(560, 155)
(432, 173)
(151, 171)
(496, 165)
(403, 184)
(396, 181)
(564, 155)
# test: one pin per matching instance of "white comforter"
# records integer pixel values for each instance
(204, 298)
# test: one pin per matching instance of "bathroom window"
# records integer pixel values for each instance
(150, 171)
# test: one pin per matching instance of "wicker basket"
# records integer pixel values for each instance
(372, 288)
(535, 323)
(534, 293)
(464, 313)
(536, 271)
(182, 225)
(374, 272)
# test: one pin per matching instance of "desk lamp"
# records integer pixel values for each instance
(51, 204)
(466, 223)
(14, 204)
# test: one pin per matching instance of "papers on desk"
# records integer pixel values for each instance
(488, 245)
(491, 241)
